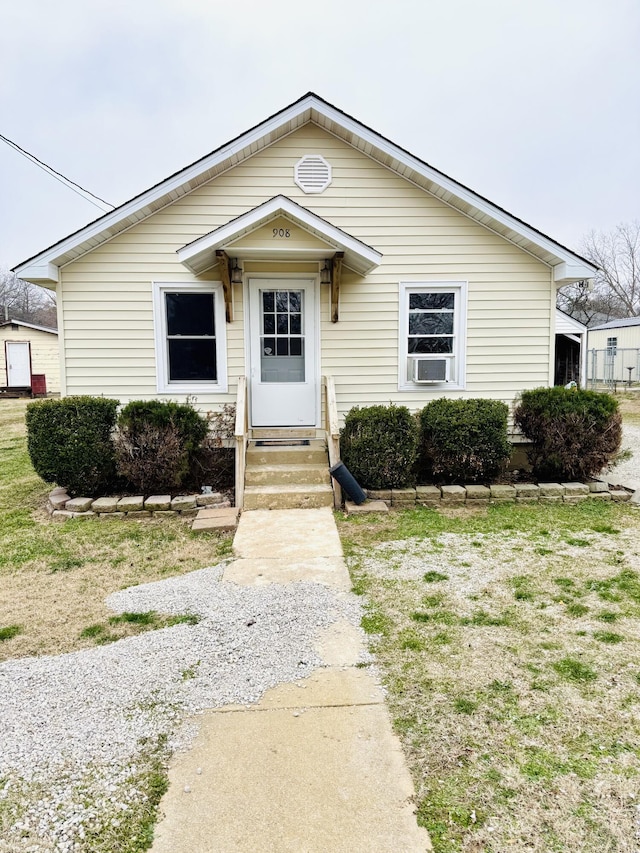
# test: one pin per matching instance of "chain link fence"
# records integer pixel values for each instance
(613, 368)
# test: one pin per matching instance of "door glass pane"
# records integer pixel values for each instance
(281, 336)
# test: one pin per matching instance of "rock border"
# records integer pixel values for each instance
(61, 507)
(519, 493)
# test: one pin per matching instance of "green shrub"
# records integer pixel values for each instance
(379, 446)
(574, 433)
(192, 427)
(156, 443)
(69, 442)
(463, 441)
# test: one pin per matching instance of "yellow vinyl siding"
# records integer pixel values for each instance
(45, 354)
(107, 301)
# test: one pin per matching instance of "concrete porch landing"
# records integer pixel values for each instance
(314, 766)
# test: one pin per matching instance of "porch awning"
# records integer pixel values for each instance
(315, 238)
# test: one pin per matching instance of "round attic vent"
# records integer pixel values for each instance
(312, 173)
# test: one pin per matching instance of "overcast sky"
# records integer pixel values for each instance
(534, 104)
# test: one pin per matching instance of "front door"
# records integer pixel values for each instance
(18, 364)
(282, 371)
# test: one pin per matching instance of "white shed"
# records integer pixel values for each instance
(29, 358)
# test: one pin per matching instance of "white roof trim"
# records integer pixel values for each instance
(310, 108)
(200, 254)
(29, 326)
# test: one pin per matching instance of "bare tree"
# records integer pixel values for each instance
(22, 300)
(616, 288)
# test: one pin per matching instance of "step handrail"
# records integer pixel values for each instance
(241, 437)
(333, 434)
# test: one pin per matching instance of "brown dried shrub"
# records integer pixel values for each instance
(151, 458)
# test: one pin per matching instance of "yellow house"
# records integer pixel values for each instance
(308, 257)
(29, 358)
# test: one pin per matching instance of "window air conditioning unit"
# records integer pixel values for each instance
(430, 370)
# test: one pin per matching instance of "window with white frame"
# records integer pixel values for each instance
(190, 338)
(432, 335)
(612, 346)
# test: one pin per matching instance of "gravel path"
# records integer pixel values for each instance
(73, 725)
(628, 472)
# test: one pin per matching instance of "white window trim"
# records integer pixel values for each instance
(458, 382)
(164, 386)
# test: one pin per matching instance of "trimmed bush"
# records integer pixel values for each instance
(379, 446)
(574, 433)
(192, 427)
(69, 442)
(156, 442)
(463, 441)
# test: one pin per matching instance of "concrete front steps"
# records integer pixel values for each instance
(286, 475)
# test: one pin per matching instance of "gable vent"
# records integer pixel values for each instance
(312, 173)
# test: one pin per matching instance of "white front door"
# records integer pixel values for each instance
(18, 364)
(283, 362)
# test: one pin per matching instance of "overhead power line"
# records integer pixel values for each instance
(88, 196)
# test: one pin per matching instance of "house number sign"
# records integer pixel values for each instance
(282, 233)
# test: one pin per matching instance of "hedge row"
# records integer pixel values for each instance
(82, 443)
(574, 435)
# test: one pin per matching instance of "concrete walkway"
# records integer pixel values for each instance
(314, 766)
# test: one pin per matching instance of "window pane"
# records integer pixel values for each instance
(190, 314)
(268, 301)
(283, 324)
(430, 345)
(294, 300)
(296, 324)
(269, 346)
(269, 324)
(192, 360)
(425, 301)
(282, 346)
(295, 345)
(282, 301)
(430, 324)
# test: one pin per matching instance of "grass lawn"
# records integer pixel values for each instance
(509, 642)
(54, 577)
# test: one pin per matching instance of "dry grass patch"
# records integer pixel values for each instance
(509, 641)
(55, 577)
(629, 402)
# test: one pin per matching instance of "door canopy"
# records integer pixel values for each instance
(279, 229)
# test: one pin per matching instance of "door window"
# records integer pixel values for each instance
(282, 356)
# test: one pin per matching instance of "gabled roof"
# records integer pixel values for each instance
(617, 324)
(43, 267)
(29, 326)
(200, 254)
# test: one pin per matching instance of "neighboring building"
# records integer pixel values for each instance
(614, 351)
(29, 357)
(571, 350)
(310, 246)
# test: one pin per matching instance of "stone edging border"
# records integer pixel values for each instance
(520, 493)
(61, 507)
